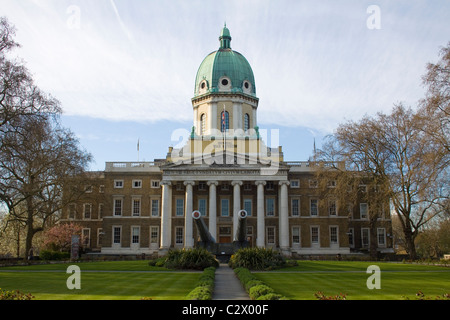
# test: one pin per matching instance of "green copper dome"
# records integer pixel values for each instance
(225, 70)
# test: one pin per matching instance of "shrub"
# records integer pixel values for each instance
(257, 259)
(205, 286)
(53, 255)
(200, 293)
(321, 296)
(259, 290)
(256, 288)
(271, 296)
(197, 259)
(14, 295)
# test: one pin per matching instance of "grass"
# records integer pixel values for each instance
(398, 281)
(118, 280)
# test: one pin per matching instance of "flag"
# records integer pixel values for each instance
(138, 146)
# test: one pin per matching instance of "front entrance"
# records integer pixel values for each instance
(225, 234)
(224, 239)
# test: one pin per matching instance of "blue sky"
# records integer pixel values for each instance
(125, 70)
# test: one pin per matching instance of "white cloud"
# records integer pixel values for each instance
(316, 63)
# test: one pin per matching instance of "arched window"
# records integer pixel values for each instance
(246, 122)
(225, 121)
(202, 124)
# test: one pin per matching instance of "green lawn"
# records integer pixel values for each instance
(332, 277)
(121, 280)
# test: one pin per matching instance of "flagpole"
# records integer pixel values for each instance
(224, 118)
(138, 149)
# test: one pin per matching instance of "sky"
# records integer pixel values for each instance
(124, 70)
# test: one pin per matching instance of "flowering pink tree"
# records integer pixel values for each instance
(59, 237)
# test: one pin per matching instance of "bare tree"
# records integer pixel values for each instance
(394, 152)
(37, 155)
(437, 101)
(35, 164)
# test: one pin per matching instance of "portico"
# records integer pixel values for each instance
(224, 190)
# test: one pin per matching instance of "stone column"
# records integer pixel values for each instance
(213, 208)
(236, 204)
(166, 216)
(260, 229)
(188, 223)
(284, 217)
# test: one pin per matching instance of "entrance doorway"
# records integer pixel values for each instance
(225, 234)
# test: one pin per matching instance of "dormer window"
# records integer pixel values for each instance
(224, 84)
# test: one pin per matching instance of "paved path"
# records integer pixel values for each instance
(227, 286)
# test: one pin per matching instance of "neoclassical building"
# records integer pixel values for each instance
(225, 167)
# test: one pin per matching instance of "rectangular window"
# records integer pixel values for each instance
(270, 185)
(86, 237)
(179, 235)
(155, 207)
(87, 208)
(101, 189)
(351, 237)
(270, 235)
(365, 237)
(155, 183)
(137, 184)
(118, 207)
(202, 186)
(118, 184)
(136, 207)
(296, 235)
(72, 211)
(270, 207)
(248, 206)
(381, 235)
(101, 208)
(334, 235)
(225, 208)
(313, 183)
(314, 235)
(202, 206)
(363, 210)
(180, 207)
(117, 231)
(295, 183)
(295, 207)
(332, 207)
(154, 235)
(135, 231)
(99, 237)
(314, 207)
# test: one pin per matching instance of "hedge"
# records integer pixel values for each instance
(256, 289)
(205, 286)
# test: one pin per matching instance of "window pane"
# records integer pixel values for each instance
(179, 235)
(202, 206)
(135, 235)
(225, 208)
(296, 235)
(295, 207)
(270, 207)
(155, 208)
(248, 206)
(136, 207)
(314, 208)
(315, 234)
(118, 207)
(180, 207)
(116, 235)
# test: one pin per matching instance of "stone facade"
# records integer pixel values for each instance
(224, 167)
